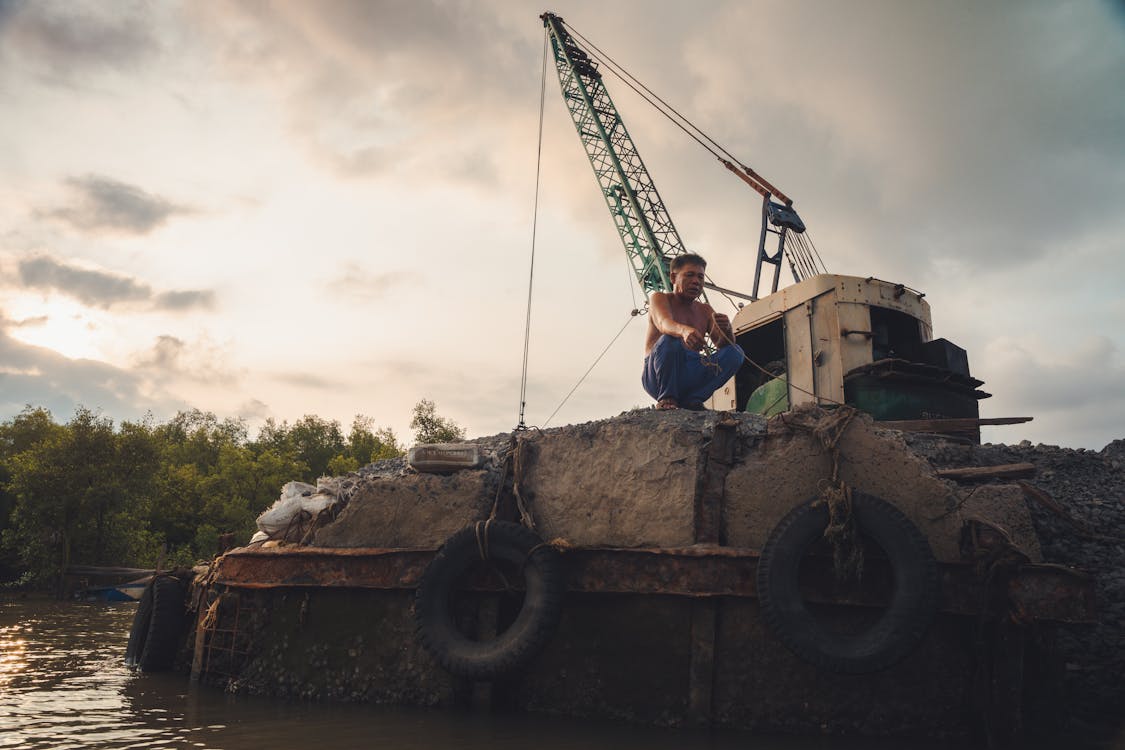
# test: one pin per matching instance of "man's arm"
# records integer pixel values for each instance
(662, 316)
(720, 330)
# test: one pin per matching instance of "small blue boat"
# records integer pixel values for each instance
(122, 592)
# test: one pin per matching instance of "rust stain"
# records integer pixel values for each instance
(1046, 592)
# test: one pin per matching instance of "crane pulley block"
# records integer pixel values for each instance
(785, 217)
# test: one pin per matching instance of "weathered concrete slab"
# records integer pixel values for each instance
(630, 481)
(1004, 506)
(789, 466)
(414, 510)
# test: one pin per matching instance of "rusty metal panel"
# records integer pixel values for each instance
(1044, 592)
(1052, 592)
(708, 571)
(321, 566)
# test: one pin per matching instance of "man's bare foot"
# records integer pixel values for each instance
(666, 404)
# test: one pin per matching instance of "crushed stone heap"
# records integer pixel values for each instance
(1077, 502)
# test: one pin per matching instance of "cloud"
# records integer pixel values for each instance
(979, 139)
(104, 204)
(41, 377)
(356, 282)
(93, 288)
(37, 320)
(103, 289)
(309, 380)
(1072, 389)
(185, 300)
(170, 357)
(67, 40)
(254, 410)
(407, 83)
(164, 355)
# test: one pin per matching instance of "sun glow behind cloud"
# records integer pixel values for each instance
(61, 325)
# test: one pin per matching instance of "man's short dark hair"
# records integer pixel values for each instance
(682, 260)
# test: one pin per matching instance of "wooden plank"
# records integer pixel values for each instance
(948, 425)
(1002, 471)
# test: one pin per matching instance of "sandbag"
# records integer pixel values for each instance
(295, 497)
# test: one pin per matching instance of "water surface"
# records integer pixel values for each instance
(64, 685)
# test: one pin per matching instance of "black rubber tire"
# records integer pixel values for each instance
(138, 633)
(158, 626)
(903, 624)
(533, 627)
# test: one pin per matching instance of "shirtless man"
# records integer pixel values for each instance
(675, 372)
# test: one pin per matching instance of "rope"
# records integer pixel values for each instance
(534, 231)
(635, 313)
(517, 481)
(512, 461)
(723, 292)
(480, 528)
(842, 532)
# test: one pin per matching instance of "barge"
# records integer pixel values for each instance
(666, 568)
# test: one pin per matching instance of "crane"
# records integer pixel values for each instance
(643, 223)
(837, 339)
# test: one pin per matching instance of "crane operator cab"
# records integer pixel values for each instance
(864, 342)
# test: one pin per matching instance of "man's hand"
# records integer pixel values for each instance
(692, 338)
(721, 332)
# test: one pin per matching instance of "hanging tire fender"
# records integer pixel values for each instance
(904, 622)
(158, 625)
(533, 626)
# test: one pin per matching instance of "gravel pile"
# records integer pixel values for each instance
(1085, 531)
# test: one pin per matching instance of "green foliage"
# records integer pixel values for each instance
(367, 443)
(430, 428)
(342, 464)
(87, 493)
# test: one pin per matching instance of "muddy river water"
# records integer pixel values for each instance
(63, 684)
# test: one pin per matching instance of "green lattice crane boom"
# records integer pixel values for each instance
(646, 229)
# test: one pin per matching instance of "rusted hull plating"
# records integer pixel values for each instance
(1036, 591)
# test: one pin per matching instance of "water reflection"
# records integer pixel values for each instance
(63, 685)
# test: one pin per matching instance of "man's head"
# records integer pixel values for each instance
(687, 273)
(682, 260)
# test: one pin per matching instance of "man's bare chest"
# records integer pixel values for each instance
(694, 315)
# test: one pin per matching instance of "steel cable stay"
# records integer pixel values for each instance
(534, 233)
(811, 264)
(802, 258)
(670, 112)
(633, 314)
(697, 133)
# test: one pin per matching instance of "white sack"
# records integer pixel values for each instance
(295, 497)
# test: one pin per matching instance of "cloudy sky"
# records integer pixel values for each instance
(271, 209)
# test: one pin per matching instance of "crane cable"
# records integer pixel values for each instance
(805, 245)
(633, 314)
(534, 233)
(628, 79)
(719, 151)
